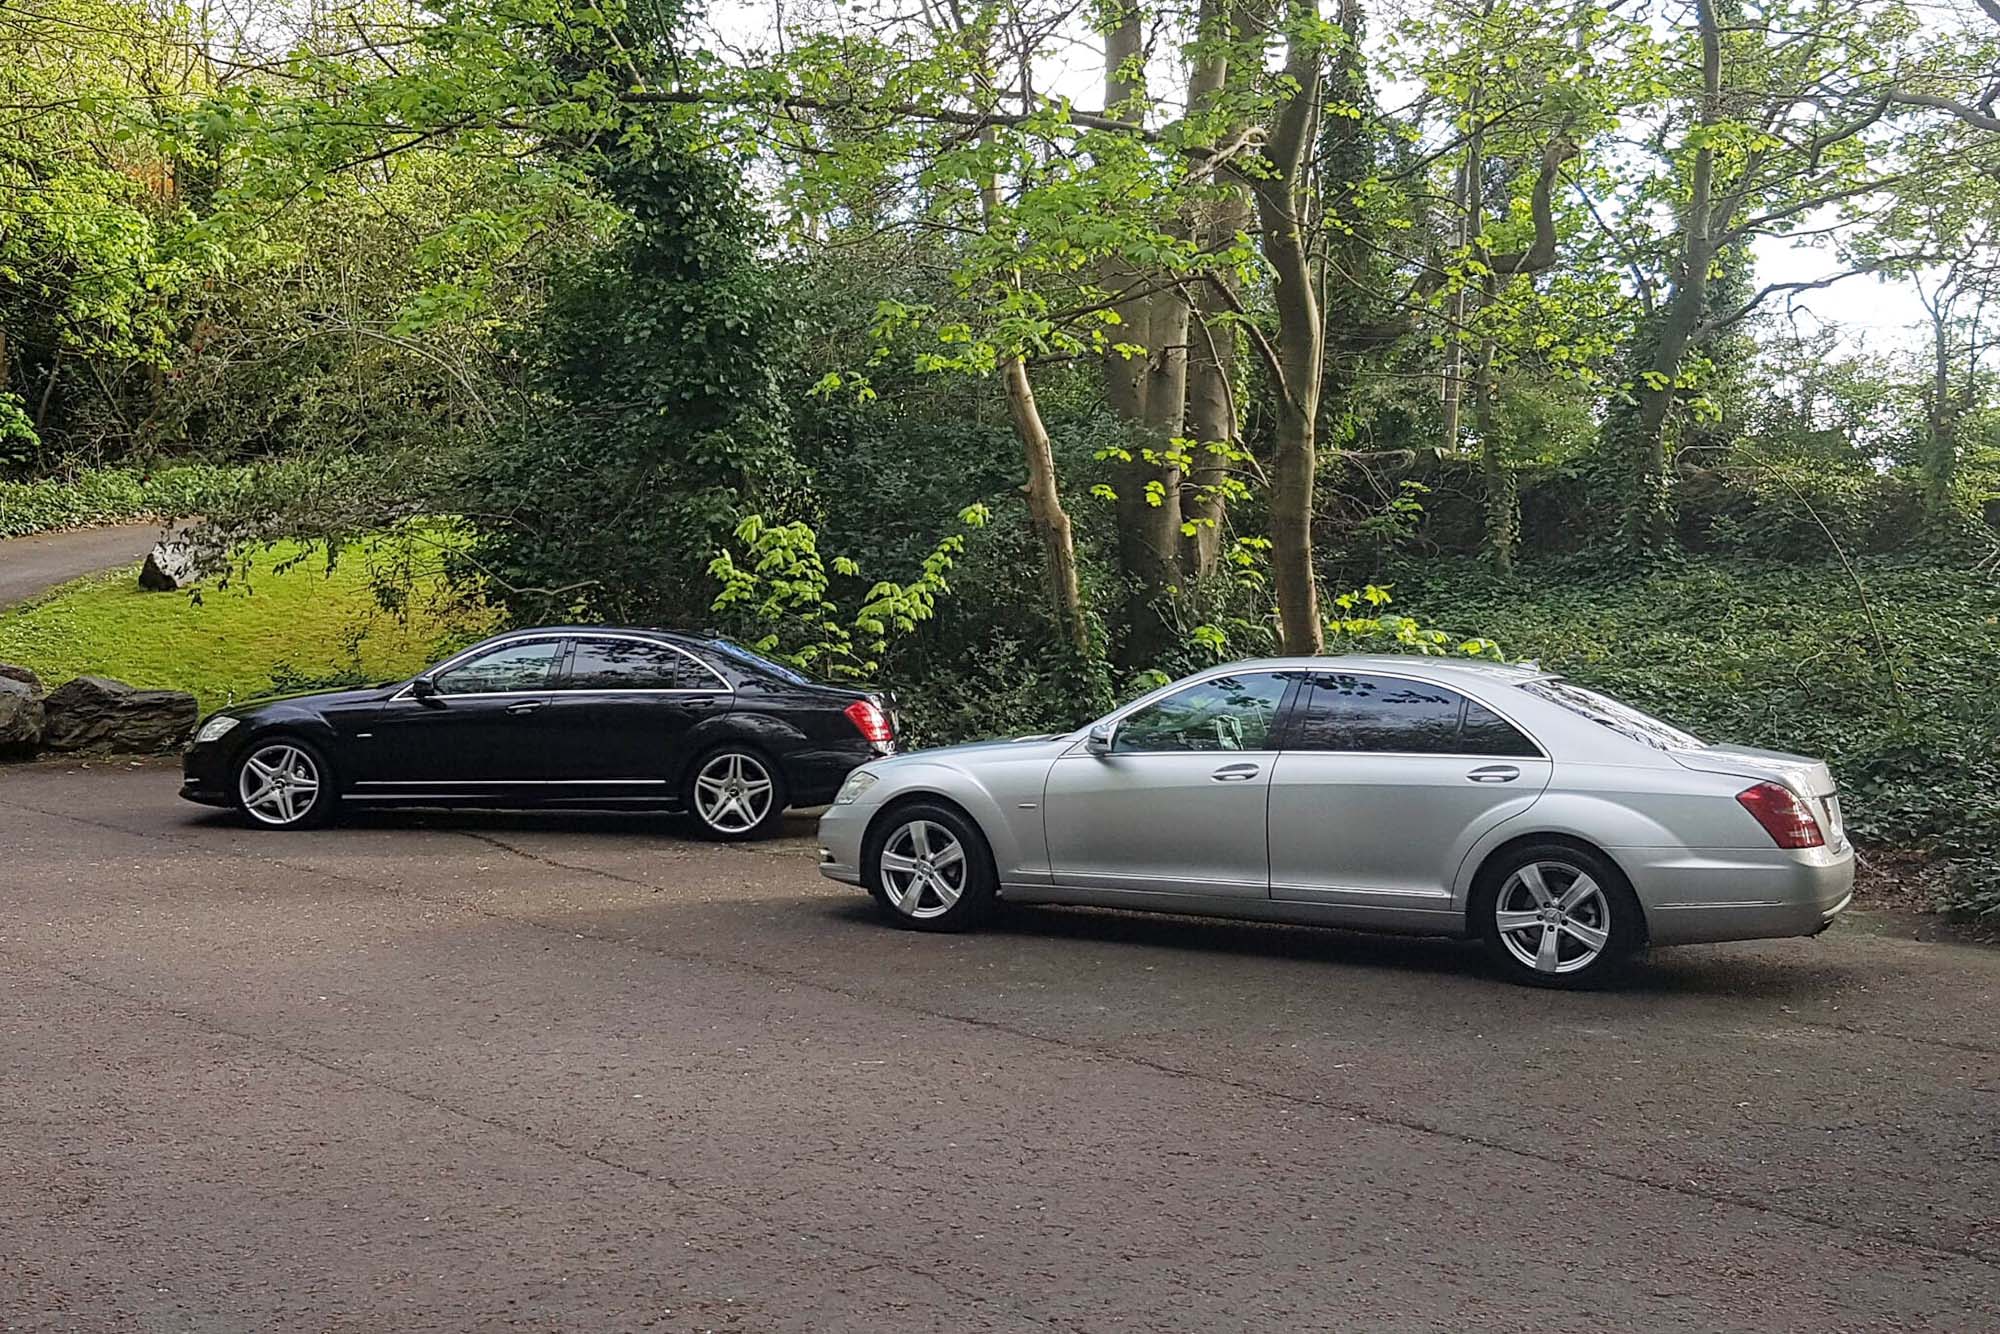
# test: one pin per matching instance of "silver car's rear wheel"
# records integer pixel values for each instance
(929, 868)
(283, 784)
(1557, 914)
(1553, 917)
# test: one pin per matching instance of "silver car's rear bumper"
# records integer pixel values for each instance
(1692, 895)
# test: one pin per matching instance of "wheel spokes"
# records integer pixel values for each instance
(1549, 953)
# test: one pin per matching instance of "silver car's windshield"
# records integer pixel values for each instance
(1608, 712)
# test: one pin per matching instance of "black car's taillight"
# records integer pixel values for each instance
(869, 719)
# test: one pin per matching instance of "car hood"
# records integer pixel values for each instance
(1021, 748)
(317, 698)
(1798, 772)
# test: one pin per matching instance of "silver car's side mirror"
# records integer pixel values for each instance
(1098, 742)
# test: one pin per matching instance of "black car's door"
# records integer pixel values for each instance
(621, 712)
(482, 731)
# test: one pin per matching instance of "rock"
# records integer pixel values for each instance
(21, 717)
(96, 713)
(9, 672)
(170, 565)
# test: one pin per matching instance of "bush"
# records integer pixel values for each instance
(111, 495)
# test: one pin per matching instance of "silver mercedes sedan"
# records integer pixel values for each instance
(1409, 794)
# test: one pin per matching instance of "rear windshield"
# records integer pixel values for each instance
(751, 658)
(1608, 712)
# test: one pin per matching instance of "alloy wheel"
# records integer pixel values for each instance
(733, 793)
(1553, 917)
(923, 869)
(279, 784)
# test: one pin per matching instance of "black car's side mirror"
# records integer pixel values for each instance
(423, 688)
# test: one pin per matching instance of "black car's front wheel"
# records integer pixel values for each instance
(283, 782)
(930, 870)
(736, 793)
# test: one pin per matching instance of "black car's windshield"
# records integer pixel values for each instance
(1620, 718)
(751, 658)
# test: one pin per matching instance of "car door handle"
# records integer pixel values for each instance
(1234, 773)
(1494, 773)
(526, 706)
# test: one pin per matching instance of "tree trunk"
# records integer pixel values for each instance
(1503, 496)
(1941, 459)
(1299, 352)
(1147, 392)
(1649, 521)
(1045, 510)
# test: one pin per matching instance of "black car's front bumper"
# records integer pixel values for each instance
(205, 776)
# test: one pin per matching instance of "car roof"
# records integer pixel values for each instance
(1426, 666)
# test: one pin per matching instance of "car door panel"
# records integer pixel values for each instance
(486, 731)
(1382, 789)
(1387, 830)
(1169, 823)
(1177, 806)
(622, 714)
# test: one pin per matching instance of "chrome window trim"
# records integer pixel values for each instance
(480, 650)
(537, 636)
(1456, 689)
(1118, 715)
(721, 688)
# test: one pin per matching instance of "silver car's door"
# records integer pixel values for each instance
(1177, 805)
(1384, 784)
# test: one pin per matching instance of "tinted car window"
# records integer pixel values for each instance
(1485, 732)
(752, 658)
(509, 668)
(1619, 717)
(1225, 713)
(1349, 711)
(636, 664)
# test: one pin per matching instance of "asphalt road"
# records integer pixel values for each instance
(486, 1072)
(30, 566)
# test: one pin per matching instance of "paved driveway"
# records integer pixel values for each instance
(30, 566)
(562, 1073)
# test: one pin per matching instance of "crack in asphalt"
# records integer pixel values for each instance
(1355, 1111)
(391, 1087)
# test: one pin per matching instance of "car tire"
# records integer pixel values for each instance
(929, 868)
(283, 782)
(736, 793)
(1557, 914)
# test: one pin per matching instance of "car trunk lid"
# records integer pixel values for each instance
(1808, 777)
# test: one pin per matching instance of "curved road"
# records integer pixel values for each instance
(569, 1073)
(30, 566)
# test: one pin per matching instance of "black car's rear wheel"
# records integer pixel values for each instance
(283, 782)
(735, 793)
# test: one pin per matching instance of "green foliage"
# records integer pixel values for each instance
(1893, 689)
(112, 495)
(652, 419)
(782, 595)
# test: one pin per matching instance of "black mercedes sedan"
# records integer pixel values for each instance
(563, 715)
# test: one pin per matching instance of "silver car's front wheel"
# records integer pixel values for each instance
(282, 784)
(1557, 915)
(923, 869)
(929, 868)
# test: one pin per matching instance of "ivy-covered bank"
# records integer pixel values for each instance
(1892, 673)
(113, 495)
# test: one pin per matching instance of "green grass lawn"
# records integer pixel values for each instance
(304, 623)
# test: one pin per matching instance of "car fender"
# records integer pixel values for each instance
(1013, 849)
(773, 736)
(1604, 822)
(278, 719)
